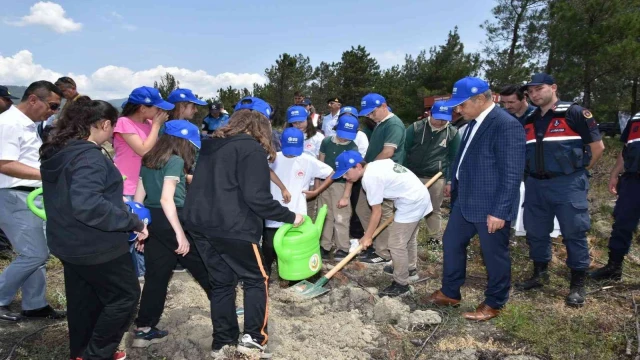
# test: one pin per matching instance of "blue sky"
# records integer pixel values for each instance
(112, 46)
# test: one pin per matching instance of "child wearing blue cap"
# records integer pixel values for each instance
(361, 140)
(215, 119)
(225, 209)
(381, 180)
(162, 190)
(88, 228)
(296, 169)
(337, 196)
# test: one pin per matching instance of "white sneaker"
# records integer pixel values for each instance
(249, 346)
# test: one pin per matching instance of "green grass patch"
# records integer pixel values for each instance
(563, 335)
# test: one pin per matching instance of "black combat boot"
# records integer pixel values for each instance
(540, 277)
(611, 271)
(577, 293)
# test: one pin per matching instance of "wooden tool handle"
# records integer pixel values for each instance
(379, 229)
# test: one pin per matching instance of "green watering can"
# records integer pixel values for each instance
(298, 248)
(31, 204)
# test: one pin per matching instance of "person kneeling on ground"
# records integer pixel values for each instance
(385, 179)
(87, 229)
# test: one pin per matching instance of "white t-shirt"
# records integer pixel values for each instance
(362, 142)
(19, 141)
(328, 123)
(312, 145)
(296, 173)
(384, 179)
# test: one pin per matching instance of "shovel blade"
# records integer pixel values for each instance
(308, 290)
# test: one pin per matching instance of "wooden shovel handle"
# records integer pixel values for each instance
(379, 229)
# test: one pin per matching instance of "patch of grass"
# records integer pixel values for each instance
(562, 334)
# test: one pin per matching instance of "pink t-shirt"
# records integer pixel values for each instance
(127, 161)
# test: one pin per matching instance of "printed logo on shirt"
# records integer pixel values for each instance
(300, 174)
(314, 262)
(399, 168)
(308, 146)
(556, 123)
(443, 143)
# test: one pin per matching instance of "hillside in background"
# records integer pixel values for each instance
(18, 91)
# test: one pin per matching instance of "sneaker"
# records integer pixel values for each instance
(224, 352)
(179, 268)
(119, 355)
(339, 255)
(396, 289)
(366, 253)
(373, 258)
(249, 346)
(144, 339)
(46, 312)
(413, 273)
(326, 254)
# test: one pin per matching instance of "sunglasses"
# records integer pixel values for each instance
(52, 106)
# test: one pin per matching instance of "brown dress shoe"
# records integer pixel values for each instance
(483, 312)
(440, 299)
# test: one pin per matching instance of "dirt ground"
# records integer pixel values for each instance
(352, 322)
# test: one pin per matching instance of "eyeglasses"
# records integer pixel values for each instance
(52, 106)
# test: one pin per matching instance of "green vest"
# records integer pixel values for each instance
(429, 152)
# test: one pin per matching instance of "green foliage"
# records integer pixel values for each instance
(167, 84)
(357, 74)
(291, 73)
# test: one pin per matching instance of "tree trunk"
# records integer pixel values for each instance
(516, 34)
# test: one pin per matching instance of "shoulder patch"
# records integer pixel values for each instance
(587, 114)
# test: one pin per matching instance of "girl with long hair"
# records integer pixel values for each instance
(87, 225)
(162, 190)
(225, 208)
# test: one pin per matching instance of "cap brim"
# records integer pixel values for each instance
(297, 119)
(365, 112)
(292, 151)
(199, 102)
(11, 97)
(339, 173)
(196, 143)
(346, 135)
(164, 105)
(441, 117)
(455, 102)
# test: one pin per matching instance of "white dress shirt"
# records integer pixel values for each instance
(19, 141)
(479, 121)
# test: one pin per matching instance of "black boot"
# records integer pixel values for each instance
(577, 293)
(540, 277)
(611, 271)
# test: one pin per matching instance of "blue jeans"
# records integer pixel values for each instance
(136, 256)
(26, 232)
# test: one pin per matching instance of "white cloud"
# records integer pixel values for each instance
(119, 19)
(116, 15)
(113, 82)
(389, 58)
(48, 14)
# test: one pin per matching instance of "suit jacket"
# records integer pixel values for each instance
(491, 171)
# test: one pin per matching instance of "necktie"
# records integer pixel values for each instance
(467, 134)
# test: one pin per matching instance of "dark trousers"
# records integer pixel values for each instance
(160, 259)
(495, 251)
(356, 231)
(564, 197)
(268, 251)
(101, 301)
(230, 261)
(626, 214)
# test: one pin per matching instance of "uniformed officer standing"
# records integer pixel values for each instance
(627, 210)
(557, 160)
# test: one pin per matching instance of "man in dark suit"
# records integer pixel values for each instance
(485, 187)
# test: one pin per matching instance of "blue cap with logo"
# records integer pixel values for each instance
(466, 88)
(296, 113)
(143, 214)
(292, 140)
(145, 95)
(255, 104)
(347, 126)
(440, 111)
(541, 79)
(183, 129)
(349, 110)
(306, 102)
(184, 95)
(370, 102)
(346, 161)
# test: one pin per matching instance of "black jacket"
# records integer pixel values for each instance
(230, 194)
(87, 221)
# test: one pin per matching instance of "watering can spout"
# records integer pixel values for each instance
(322, 214)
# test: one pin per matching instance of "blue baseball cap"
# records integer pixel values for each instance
(183, 129)
(254, 103)
(346, 161)
(124, 103)
(145, 95)
(349, 110)
(143, 214)
(464, 89)
(440, 111)
(541, 79)
(292, 140)
(306, 102)
(347, 126)
(370, 102)
(296, 113)
(184, 95)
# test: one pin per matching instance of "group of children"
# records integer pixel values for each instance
(219, 244)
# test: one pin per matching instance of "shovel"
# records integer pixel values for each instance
(308, 290)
